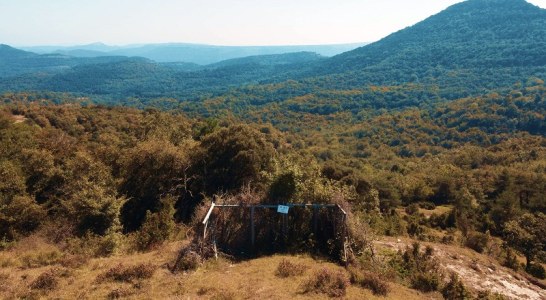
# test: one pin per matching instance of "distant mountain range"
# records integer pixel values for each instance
(122, 77)
(191, 53)
(471, 47)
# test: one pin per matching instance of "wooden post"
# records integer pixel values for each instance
(252, 230)
(315, 220)
(345, 240)
(206, 220)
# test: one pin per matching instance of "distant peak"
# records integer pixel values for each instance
(97, 44)
(10, 48)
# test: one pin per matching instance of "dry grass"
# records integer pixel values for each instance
(221, 279)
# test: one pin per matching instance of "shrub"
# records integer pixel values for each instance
(477, 241)
(448, 239)
(188, 261)
(128, 274)
(157, 227)
(536, 270)
(414, 229)
(425, 282)
(487, 295)
(93, 245)
(47, 281)
(369, 281)
(511, 259)
(455, 289)
(326, 281)
(419, 267)
(427, 205)
(412, 209)
(289, 269)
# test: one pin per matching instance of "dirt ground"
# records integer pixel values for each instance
(478, 272)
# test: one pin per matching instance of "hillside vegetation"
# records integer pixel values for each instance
(430, 144)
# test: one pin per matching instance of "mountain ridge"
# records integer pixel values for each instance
(469, 48)
(453, 24)
(202, 54)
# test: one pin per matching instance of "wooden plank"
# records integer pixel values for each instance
(206, 219)
(342, 210)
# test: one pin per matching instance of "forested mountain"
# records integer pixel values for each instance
(15, 62)
(471, 42)
(268, 60)
(194, 53)
(126, 78)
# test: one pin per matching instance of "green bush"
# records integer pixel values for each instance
(537, 270)
(487, 295)
(455, 289)
(477, 241)
(425, 282)
(157, 227)
(369, 281)
(419, 268)
(412, 209)
(510, 259)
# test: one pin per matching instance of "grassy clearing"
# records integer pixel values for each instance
(146, 276)
(439, 210)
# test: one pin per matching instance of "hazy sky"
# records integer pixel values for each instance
(221, 22)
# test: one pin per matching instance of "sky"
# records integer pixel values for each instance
(217, 22)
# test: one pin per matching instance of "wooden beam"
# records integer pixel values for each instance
(206, 219)
(342, 210)
(315, 220)
(276, 205)
(252, 231)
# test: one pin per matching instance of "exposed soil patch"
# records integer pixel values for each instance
(477, 271)
(18, 119)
